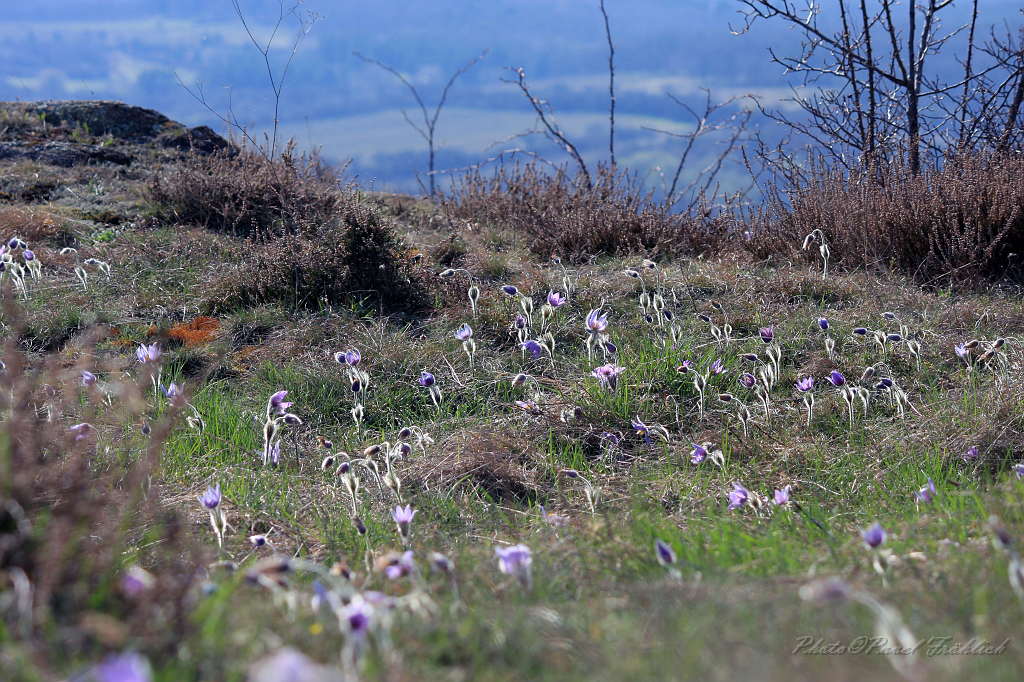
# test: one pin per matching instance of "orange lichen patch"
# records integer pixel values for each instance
(200, 330)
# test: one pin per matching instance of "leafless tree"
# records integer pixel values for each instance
(611, 85)
(429, 122)
(871, 88)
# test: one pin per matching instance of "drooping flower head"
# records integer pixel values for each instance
(874, 536)
(836, 379)
(276, 403)
(666, 555)
(533, 347)
(698, 454)
(211, 498)
(642, 429)
(738, 496)
(555, 299)
(510, 290)
(597, 322)
(426, 379)
(520, 322)
(823, 324)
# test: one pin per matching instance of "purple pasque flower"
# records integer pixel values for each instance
(426, 379)
(805, 384)
(553, 519)
(597, 322)
(836, 379)
(748, 380)
(860, 331)
(961, 351)
(277, 402)
(1019, 470)
(402, 565)
(136, 580)
(148, 353)
(666, 555)
(607, 375)
(352, 357)
(28, 255)
(359, 616)
(642, 429)
(884, 382)
(874, 536)
(130, 666)
(782, 497)
(403, 517)
(510, 290)
(698, 454)
(211, 498)
(88, 378)
(515, 560)
(767, 334)
(927, 493)
(464, 332)
(611, 348)
(823, 324)
(533, 347)
(738, 496)
(972, 453)
(685, 367)
(520, 322)
(258, 541)
(555, 299)
(80, 431)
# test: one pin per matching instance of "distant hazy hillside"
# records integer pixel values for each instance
(128, 49)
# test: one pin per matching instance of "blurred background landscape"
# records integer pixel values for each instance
(135, 51)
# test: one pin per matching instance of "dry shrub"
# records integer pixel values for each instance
(242, 193)
(32, 226)
(561, 215)
(963, 222)
(69, 518)
(353, 255)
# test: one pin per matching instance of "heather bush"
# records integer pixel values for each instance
(560, 215)
(960, 222)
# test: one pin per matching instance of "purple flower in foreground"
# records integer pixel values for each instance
(402, 566)
(276, 402)
(597, 322)
(80, 431)
(782, 497)
(961, 351)
(352, 357)
(88, 378)
(515, 561)
(127, 667)
(666, 555)
(533, 347)
(607, 375)
(738, 497)
(426, 379)
(836, 379)
(767, 334)
(748, 380)
(926, 494)
(358, 617)
(28, 255)
(717, 367)
(510, 290)
(520, 322)
(874, 536)
(148, 353)
(555, 299)
(211, 498)
(464, 332)
(1019, 470)
(805, 384)
(972, 453)
(860, 331)
(698, 454)
(611, 347)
